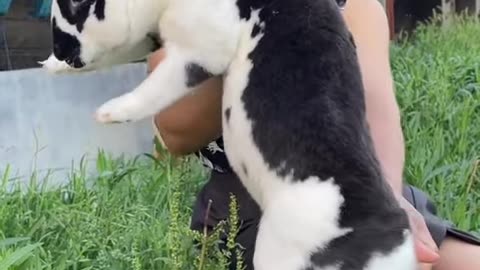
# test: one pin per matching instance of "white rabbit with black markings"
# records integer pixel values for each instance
(294, 123)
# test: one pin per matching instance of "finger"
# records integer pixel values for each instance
(423, 234)
(154, 59)
(427, 240)
(425, 254)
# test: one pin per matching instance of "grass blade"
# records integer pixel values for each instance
(18, 256)
(5, 243)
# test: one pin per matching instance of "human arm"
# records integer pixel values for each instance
(367, 22)
(369, 26)
(193, 121)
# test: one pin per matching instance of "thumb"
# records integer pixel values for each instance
(425, 254)
(154, 59)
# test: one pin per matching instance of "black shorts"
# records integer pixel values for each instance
(221, 185)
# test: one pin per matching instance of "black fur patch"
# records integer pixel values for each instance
(244, 168)
(228, 111)
(245, 8)
(66, 47)
(305, 98)
(158, 43)
(354, 243)
(100, 10)
(196, 75)
(76, 12)
(256, 30)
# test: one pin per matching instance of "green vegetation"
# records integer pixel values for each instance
(136, 214)
(437, 76)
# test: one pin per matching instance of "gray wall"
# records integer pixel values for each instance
(52, 115)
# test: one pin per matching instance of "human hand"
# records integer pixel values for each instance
(155, 58)
(425, 247)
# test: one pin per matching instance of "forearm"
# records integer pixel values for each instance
(368, 23)
(386, 131)
(383, 116)
(193, 121)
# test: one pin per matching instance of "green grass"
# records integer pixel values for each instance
(136, 216)
(137, 213)
(437, 75)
